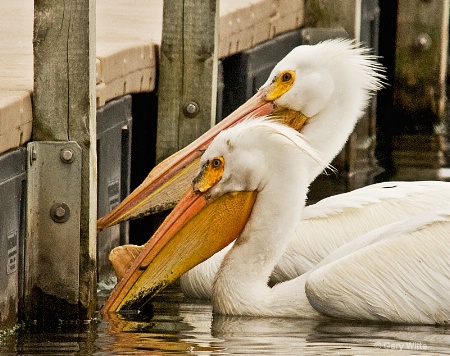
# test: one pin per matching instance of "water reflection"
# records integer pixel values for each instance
(183, 327)
(177, 326)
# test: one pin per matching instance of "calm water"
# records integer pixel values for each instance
(180, 327)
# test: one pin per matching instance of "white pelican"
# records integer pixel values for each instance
(321, 90)
(398, 273)
(329, 83)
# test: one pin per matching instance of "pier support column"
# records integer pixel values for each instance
(188, 74)
(64, 108)
(418, 125)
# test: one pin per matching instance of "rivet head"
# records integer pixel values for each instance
(423, 42)
(67, 155)
(60, 212)
(191, 109)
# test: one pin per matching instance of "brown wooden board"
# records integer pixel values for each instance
(128, 33)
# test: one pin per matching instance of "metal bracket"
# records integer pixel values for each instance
(53, 219)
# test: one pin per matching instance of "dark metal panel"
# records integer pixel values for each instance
(364, 166)
(12, 177)
(143, 156)
(114, 123)
(245, 72)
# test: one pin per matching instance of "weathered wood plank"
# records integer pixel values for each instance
(421, 59)
(64, 110)
(334, 13)
(123, 28)
(15, 119)
(188, 73)
(420, 88)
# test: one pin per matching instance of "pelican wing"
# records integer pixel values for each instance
(336, 220)
(398, 273)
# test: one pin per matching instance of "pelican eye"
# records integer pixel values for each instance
(216, 163)
(286, 77)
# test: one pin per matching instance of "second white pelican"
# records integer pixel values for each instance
(398, 273)
(319, 90)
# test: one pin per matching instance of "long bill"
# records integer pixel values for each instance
(197, 228)
(166, 183)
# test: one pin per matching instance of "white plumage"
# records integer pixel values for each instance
(333, 84)
(332, 222)
(353, 256)
(334, 81)
(396, 273)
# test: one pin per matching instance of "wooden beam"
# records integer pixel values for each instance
(64, 110)
(334, 13)
(421, 58)
(188, 73)
(420, 88)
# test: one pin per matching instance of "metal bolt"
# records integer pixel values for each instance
(67, 155)
(423, 42)
(60, 212)
(191, 109)
(33, 155)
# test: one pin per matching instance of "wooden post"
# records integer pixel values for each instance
(334, 13)
(188, 73)
(419, 88)
(64, 110)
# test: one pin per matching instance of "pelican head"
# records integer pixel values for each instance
(318, 90)
(334, 73)
(239, 159)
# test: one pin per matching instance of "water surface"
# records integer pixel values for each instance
(176, 326)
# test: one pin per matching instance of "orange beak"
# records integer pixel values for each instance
(165, 184)
(197, 228)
